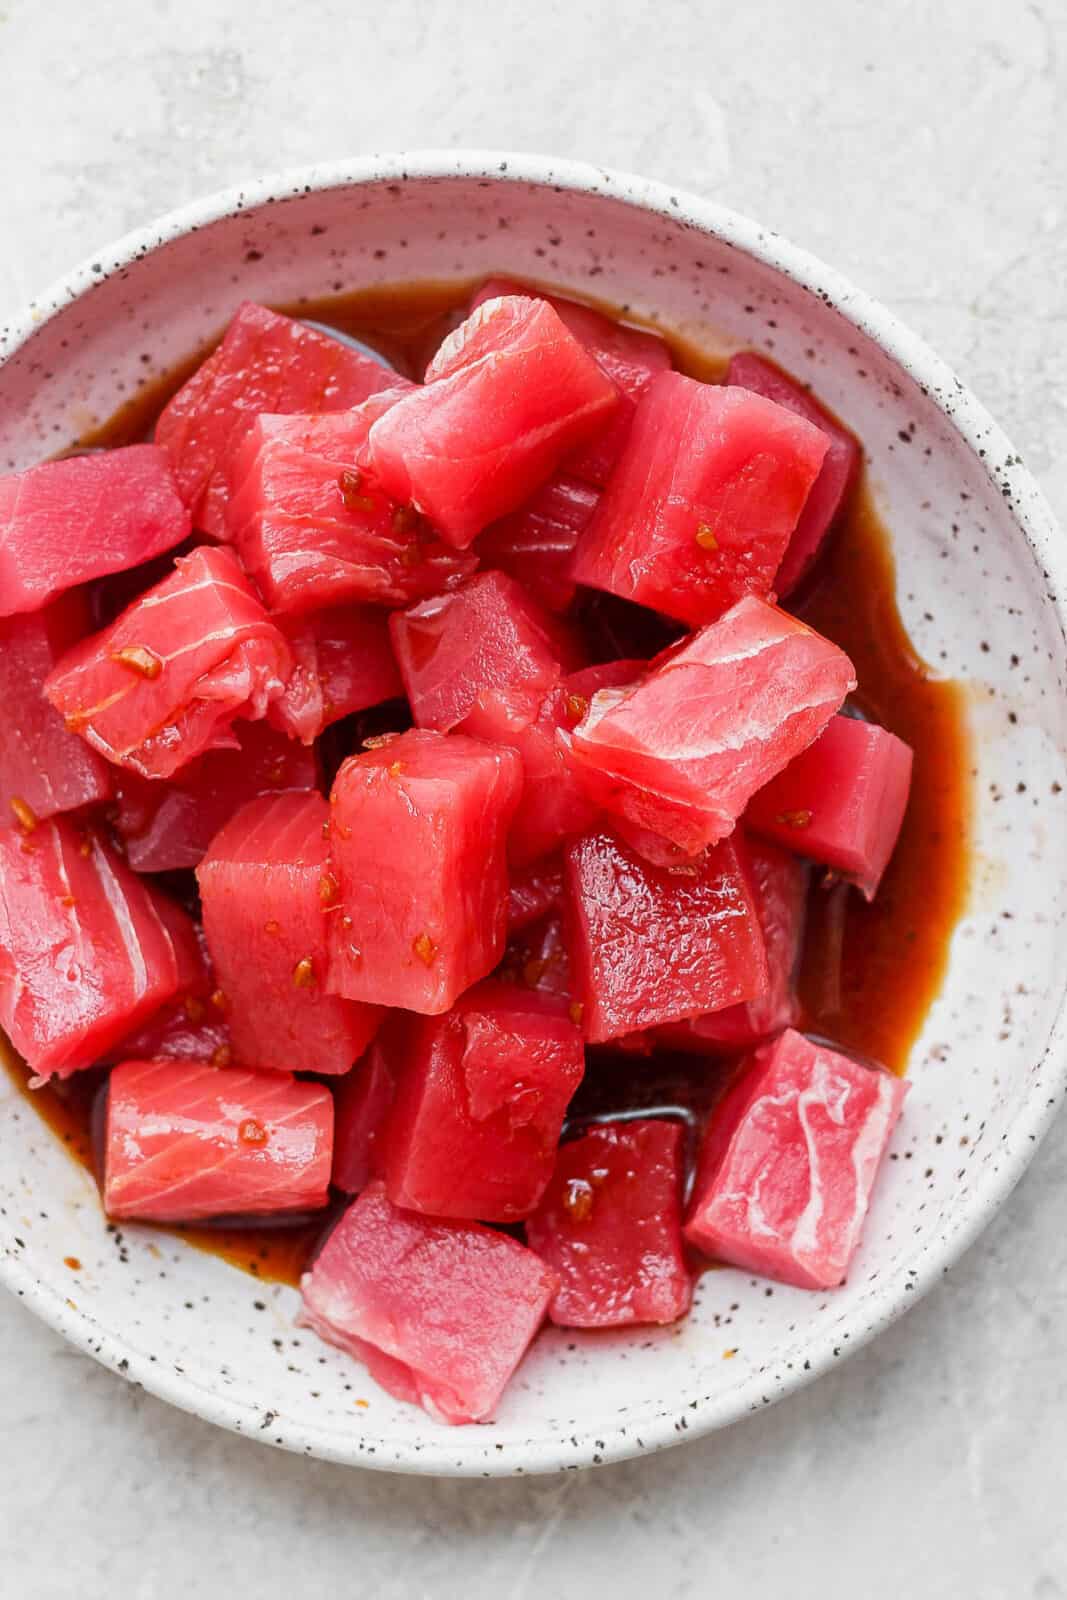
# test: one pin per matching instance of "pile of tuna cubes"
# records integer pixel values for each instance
(401, 956)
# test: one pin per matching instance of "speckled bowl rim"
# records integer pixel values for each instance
(469, 1451)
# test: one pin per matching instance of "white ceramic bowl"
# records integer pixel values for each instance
(981, 576)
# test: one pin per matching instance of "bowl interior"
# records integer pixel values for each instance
(976, 602)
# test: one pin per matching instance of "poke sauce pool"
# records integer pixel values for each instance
(867, 969)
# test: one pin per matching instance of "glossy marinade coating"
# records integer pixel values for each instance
(649, 946)
(840, 802)
(168, 824)
(315, 529)
(506, 397)
(679, 756)
(836, 475)
(701, 507)
(44, 768)
(166, 680)
(417, 838)
(610, 1225)
(481, 1094)
(629, 356)
(265, 363)
(88, 950)
(266, 889)
(186, 1140)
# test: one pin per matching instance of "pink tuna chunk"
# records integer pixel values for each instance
(480, 1099)
(165, 681)
(65, 522)
(168, 823)
(836, 475)
(186, 1140)
(481, 658)
(43, 768)
(610, 1225)
(342, 663)
(533, 892)
(362, 1100)
(315, 530)
(192, 1025)
(508, 394)
(779, 886)
(789, 1162)
(704, 500)
(417, 831)
(537, 956)
(266, 362)
(87, 948)
(554, 804)
(265, 886)
(535, 544)
(439, 1312)
(841, 802)
(629, 356)
(649, 945)
(681, 754)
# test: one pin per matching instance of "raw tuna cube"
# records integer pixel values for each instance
(362, 1103)
(538, 957)
(554, 804)
(703, 502)
(315, 530)
(65, 522)
(167, 824)
(164, 682)
(649, 945)
(481, 658)
(191, 1029)
(417, 831)
(841, 802)
(43, 768)
(109, 597)
(192, 1026)
(480, 1099)
(536, 543)
(682, 753)
(186, 1140)
(265, 362)
(611, 1226)
(343, 662)
(439, 1312)
(836, 475)
(265, 886)
(789, 1161)
(578, 688)
(630, 357)
(191, 961)
(507, 396)
(779, 887)
(648, 845)
(533, 892)
(87, 950)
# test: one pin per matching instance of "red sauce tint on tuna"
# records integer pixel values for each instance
(869, 971)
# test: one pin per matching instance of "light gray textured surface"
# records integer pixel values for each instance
(921, 149)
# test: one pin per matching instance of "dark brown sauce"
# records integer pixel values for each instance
(869, 971)
(276, 1252)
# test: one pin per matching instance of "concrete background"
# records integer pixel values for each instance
(922, 148)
